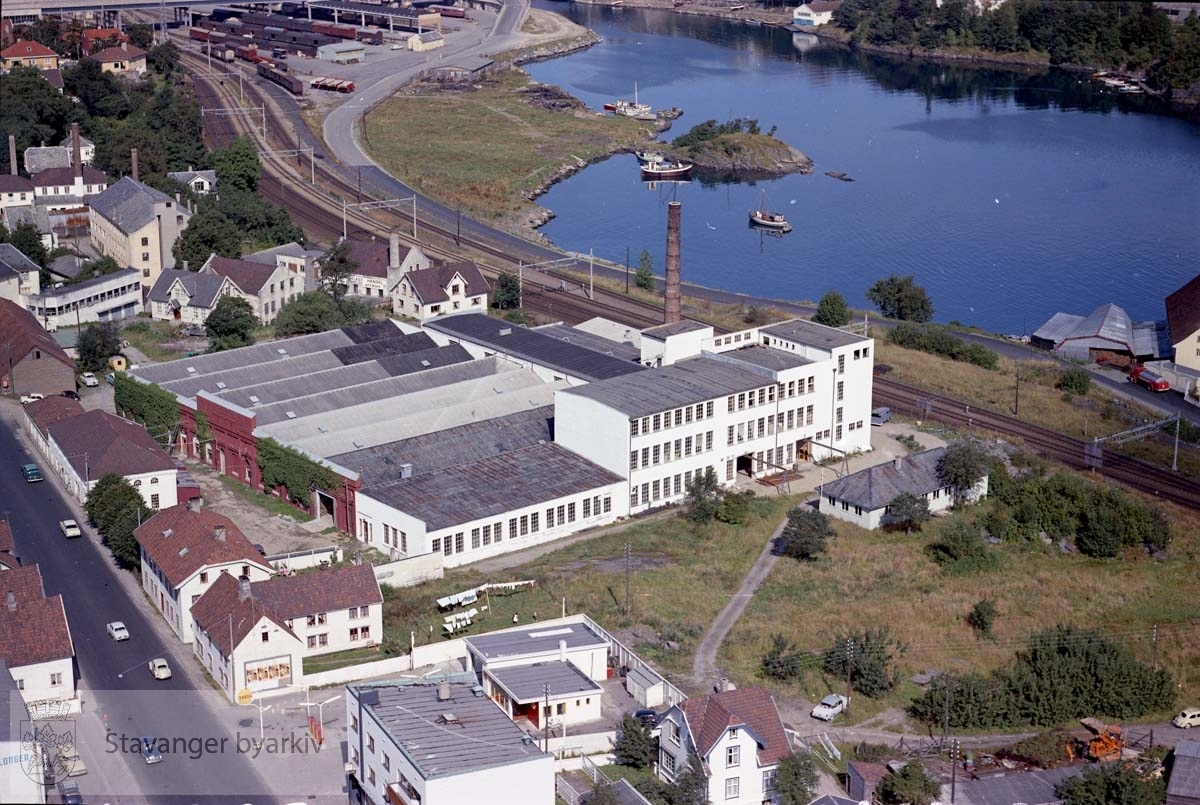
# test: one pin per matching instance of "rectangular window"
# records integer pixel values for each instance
(708, 440)
(733, 788)
(458, 542)
(708, 409)
(562, 514)
(762, 396)
(645, 456)
(668, 762)
(645, 424)
(730, 435)
(633, 427)
(607, 504)
(838, 434)
(678, 484)
(524, 524)
(812, 385)
(808, 415)
(587, 508)
(533, 522)
(204, 578)
(512, 528)
(633, 459)
(550, 517)
(657, 454)
(387, 762)
(741, 401)
(145, 241)
(730, 401)
(475, 539)
(56, 680)
(769, 777)
(733, 757)
(371, 743)
(656, 489)
(678, 452)
(658, 422)
(571, 512)
(435, 546)
(841, 388)
(487, 535)
(841, 364)
(679, 415)
(354, 635)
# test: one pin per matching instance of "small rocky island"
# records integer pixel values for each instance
(737, 148)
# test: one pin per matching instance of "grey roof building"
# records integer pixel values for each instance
(201, 289)
(13, 262)
(128, 204)
(200, 182)
(38, 159)
(533, 640)
(876, 487)
(1031, 787)
(1183, 787)
(527, 683)
(1107, 329)
(685, 383)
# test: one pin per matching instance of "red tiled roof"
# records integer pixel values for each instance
(320, 591)
(119, 53)
(180, 542)
(222, 600)
(1183, 311)
(430, 284)
(94, 36)
(22, 49)
(20, 330)
(65, 177)
(754, 709)
(98, 443)
(44, 413)
(7, 547)
(247, 276)
(33, 628)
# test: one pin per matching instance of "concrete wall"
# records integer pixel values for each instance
(411, 571)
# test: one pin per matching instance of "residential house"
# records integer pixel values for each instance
(137, 226)
(266, 288)
(863, 497)
(295, 258)
(185, 549)
(30, 359)
(330, 610)
(1183, 323)
(738, 737)
(1183, 786)
(815, 12)
(8, 549)
(441, 744)
(187, 297)
(87, 150)
(107, 297)
(242, 644)
(85, 448)
(426, 40)
(41, 414)
(15, 191)
(199, 182)
(35, 639)
(68, 188)
(451, 288)
(37, 217)
(15, 748)
(380, 266)
(44, 157)
(19, 276)
(24, 53)
(96, 39)
(124, 59)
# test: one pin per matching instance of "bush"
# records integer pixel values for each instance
(938, 340)
(782, 661)
(961, 549)
(806, 534)
(1075, 380)
(982, 616)
(910, 785)
(871, 657)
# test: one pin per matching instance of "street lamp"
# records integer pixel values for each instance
(320, 712)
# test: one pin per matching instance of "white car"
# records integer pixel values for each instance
(159, 668)
(117, 631)
(31, 397)
(69, 528)
(829, 707)
(1189, 717)
(89, 379)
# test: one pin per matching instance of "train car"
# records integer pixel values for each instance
(370, 36)
(222, 14)
(289, 82)
(335, 30)
(332, 84)
(198, 34)
(248, 53)
(450, 11)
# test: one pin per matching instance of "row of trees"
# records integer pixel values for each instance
(895, 298)
(117, 509)
(938, 340)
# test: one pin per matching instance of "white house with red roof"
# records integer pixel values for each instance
(451, 288)
(815, 12)
(738, 736)
(122, 59)
(24, 53)
(330, 610)
(35, 639)
(381, 265)
(267, 288)
(185, 550)
(15, 191)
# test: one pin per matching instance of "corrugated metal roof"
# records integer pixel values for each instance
(1185, 771)
(527, 683)
(684, 383)
(803, 331)
(397, 365)
(396, 344)
(876, 487)
(305, 385)
(256, 355)
(487, 488)
(573, 335)
(665, 331)
(1057, 328)
(235, 378)
(775, 360)
(536, 347)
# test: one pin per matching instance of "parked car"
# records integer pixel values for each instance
(89, 379)
(31, 397)
(881, 415)
(1151, 380)
(831, 706)
(68, 792)
(646, 716)
(71, 761)
(159, 668)
(149, 752)
(31, 473)
(69, 528)
(71, 395)
(1189, 717)
(117, 631)
(110, 378)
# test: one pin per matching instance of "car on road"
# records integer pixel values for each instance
(831, 706)
(71, 395)
(149, 752)
(89, 379)
(111, 378)
(72, 762)
(117, 631)
(31, 473)
(1151, 380)
(69, 528)
(881, 415)
(159, 668)
(68, 792)
(31, 397)
(647, 717)
(1188, 717)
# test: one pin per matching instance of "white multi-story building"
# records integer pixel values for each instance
(21, 781)
(35, 639)
(108, 297)
(441, 745)
(137, 226)
(267, 288)
(335, 610)
(19, 276)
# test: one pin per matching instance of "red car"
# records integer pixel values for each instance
(1149, 379)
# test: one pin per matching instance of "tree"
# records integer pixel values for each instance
(806, 534)
(982, 616)
(961, 549)
(208, 232)
(703, 497)
(832, 310)
(796, 780)
(163, 59)
(94, 268)
(634, 745)
(907, 511)
(1075, 380)
(237, 165)
(117, 509)
(336, 267)
(26, 239)
(507, 293)
(97, 343)
(900, 298)
(691, 785)
(33, 111)
(782, 661)
(602, 794)
(962, 465)
(870, 656)
(140, 35)
(230, 324)
(1113, 784)
(909, 785)
(734, 507)
(100, 93)
(644, 276)
(311, 312)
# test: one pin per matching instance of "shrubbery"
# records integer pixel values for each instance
(938, 340)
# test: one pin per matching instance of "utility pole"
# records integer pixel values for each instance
(953, 770)
(849, 668)
(1017, 399)
(1156, 645)
(627, 579)
(946, 709)
(546, 719)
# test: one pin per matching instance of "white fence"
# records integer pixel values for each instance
(585, 743)
(411, 571)
(300, 560)
(359, 671)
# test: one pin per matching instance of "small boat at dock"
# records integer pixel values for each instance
(646, 157)
(767, 219)
(666, 170)
(638, 111)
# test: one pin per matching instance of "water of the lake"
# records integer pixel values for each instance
(1008, 196)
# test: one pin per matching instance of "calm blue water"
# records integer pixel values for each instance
(1008, 196)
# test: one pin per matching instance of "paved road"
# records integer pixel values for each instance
(115, 686)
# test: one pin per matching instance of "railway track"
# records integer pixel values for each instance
(1075, 453)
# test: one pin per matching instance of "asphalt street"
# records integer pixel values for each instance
(121, 701)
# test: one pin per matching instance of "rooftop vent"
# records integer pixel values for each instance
(183, 552)
(425, 363)
(443, 694)
(406, 470)
(290, 414)
(254, 399)
(220, 385)
(449, 719)
(477, 691)
(358, 445)
(323, 429)
(191, 370)
(168, 532)
(505, 331)
(281, 351)
(369, 697)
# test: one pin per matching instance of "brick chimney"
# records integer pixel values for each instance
(243, 588)
(219, 532)
(12, 155)
(394, 250)
(76, 151)
(673, 308)
(133, 165)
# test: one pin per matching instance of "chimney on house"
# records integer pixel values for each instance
(133, 163)
(394, 250)
(76, 151)
(673, 299)
(898, 462)
(243, 588)
(219, 532)
(443, 694)
(11, 601)
(195, 504)
(12, 155)
(125, 46)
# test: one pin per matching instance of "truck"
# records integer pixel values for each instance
(1148, 378)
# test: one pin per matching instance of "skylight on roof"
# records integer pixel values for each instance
(281, 351)
(191, 370)
(254, 399)
(220, 385)
(290, 414)
(424, 363)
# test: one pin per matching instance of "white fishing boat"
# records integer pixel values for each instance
(767, 219)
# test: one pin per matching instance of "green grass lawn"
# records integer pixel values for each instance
(268, 502)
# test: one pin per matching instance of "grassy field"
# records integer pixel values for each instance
(505, 144)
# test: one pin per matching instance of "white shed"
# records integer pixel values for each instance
(646, 687)
(342, 52)
(426, 40)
